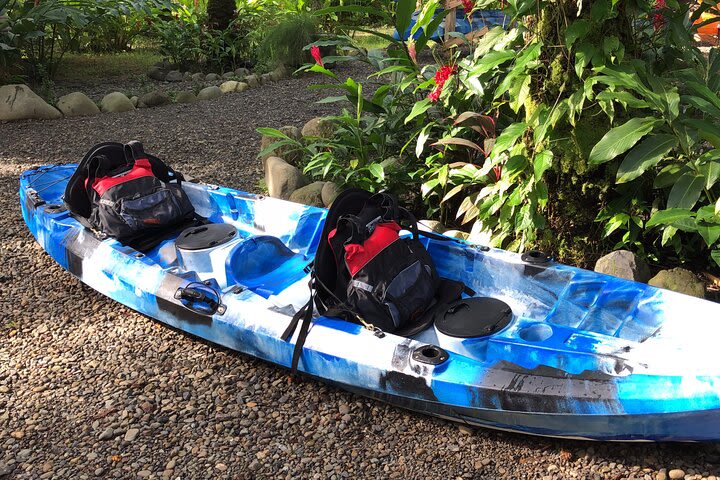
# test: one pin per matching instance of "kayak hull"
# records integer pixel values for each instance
(575, 383)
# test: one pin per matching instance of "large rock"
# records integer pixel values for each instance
(679, 280)
(623, 264)
(282, 179)
(155, 98)
(431, 226)
(286, 152)
(265, 78)
(18, 102)
(242, 86)
(229, 87)
(77, 104)
(329, 192)
(209, 93)
(318, 127)
(116, 102)
(228, 75)
(174, 76)
(198, 77)
(212, 77)
(242, 72)
(457, 234)
(185, 97)
(309, 194)
(253, 81)
(279, 73)
(157, 73)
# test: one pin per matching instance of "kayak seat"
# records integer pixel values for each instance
(264, 265)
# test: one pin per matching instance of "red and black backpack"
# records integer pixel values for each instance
(366, 272)
(120, 191)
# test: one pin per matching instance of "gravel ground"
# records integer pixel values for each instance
(91, 389)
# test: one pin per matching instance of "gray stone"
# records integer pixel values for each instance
(198, 77)
(286, 152)
(242, 72)
(155, 98)
(18, 102)
(242, 86)
(228, 75)
(279, 73)
(134, 100)
(116, 102)
(174, 76)
(253, 81)
(185, 97)
(5, 469)
(131, 434)
(77, 104)
(187, 76)
(679, 280)
(318, 127)
(329, 192)
(282, 179)
(157, 73)
(209, 93)
(309, 194)
(212, 77)
(265, 78)
(431, 226)
(107, 434)
(229, 87)
(623, 264)
(23, 455)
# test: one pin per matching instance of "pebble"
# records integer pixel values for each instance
(107, 434)
(131, 434)
(676, 474)
(144, 473)
(344, 409)
(99, 471)
(221, 466)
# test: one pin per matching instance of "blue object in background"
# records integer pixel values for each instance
(480, 19)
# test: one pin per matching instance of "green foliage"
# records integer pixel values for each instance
(283, 40)
(36, 35)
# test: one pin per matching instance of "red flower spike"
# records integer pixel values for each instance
(468, 6)
(315, 52)
(411, 50)
(435, 94)
(659, 18)
(498, 172)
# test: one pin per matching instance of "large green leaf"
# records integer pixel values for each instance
(668, 217)
(403, 15)
(491, 60)
(706, 129)
(710, 232)
(542, 162)
(645, 155)
(508, 137)
(418, 109)
(620, 139)
(687, 190)
(576, 30)
(715, 255)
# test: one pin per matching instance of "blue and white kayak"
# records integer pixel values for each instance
(583, 355)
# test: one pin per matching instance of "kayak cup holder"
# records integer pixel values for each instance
(537, 332)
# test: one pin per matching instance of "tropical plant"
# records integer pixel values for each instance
(283, 39)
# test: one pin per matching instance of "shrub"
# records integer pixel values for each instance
(283, 41)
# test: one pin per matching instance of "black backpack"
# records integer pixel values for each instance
(120, 191)
(365, 273)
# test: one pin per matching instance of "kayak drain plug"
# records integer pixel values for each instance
(429, 354)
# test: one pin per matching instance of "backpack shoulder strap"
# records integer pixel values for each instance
(76, 197)
(134, 150)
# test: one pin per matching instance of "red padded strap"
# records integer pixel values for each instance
(357, 256)
(141, 168)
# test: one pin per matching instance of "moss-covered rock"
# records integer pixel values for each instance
(679, 280)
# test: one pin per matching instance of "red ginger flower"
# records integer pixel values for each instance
(659, 18)
(315, 52)
(411, 50)
(441, 77)
(468, 6)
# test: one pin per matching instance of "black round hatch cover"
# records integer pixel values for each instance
(473, 317)
(205, 236)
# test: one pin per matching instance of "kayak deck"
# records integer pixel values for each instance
(585, 355)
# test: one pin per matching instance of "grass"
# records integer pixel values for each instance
(94, 66)
(370, 41)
